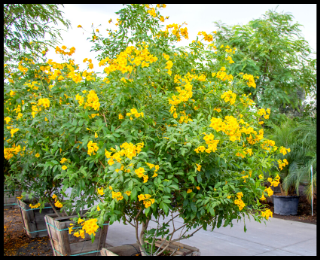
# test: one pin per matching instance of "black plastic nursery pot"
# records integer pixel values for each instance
(286, 205)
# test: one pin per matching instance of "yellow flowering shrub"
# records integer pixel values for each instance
(171, 135)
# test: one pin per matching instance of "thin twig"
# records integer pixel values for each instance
(129, 222)
(54, 209)
(174, 251)
(102, 164)
(178, 229)
(172, 218)
(160, 246)
(105, 120)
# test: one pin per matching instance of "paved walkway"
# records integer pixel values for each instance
(277, 238)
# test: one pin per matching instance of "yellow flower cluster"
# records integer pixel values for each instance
(90, 65)
(89, 226)
(177, 30)
(92, 148)
(243, 153)
(32, 85)
(146, 198)
(221, 74)
(128, 149)
(229, 50)
(229, 126)
(117, 195)
(61, 51)
(80, 99)
(100, 191)
(246, 101)
(212, 144)
(265, 145)
(63, 160)
(266, 214)
(184, 95)
(239, 201)
(135, 113)
(156, 168)
(274, 182)
(9, 152)
(57, 203)
(229, 59)
(7, 119)
(169, 65)
(207, 37)
(198, 167)
(45, 102)
(152, 12)
(229, 96)
(257, 139)
(250, 79)
(121, 62)
(13, 131)
(269, 191)
(34, 206)
(92, 100)
(262, 112)
(283, 163)
(284, 150)
(22, 69)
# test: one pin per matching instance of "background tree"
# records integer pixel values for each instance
(24, 23)
(272, 48)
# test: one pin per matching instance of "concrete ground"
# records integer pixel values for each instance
(277, 238)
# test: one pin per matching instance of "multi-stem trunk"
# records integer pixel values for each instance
(141, 237)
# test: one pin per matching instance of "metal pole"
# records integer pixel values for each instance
(311, 192)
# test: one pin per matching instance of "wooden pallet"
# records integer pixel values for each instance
(9, 200)
(130, 250)
(67, 244)
(34, 220)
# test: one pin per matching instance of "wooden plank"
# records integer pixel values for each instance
(51, 230)
(186, 246)
(107, 252)
(170, 248)
(83, 247)
(32, 223)
(124, 250)
(57, 247)
(63, 239)
(47, 219)
(28, 219)
(184, 249)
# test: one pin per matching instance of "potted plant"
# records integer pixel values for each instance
(301, 138)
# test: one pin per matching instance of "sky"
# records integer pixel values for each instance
(199, 17)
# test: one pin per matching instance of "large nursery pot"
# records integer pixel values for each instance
(9, 200)
(65, 244)
(33, 220)
(286, 205)
(179, 249)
